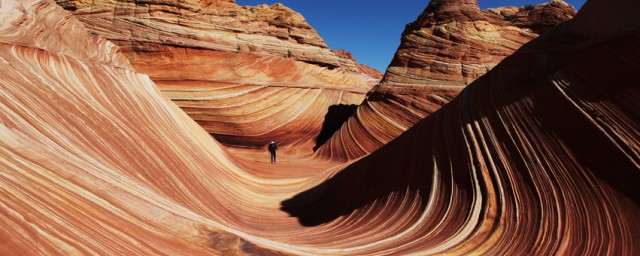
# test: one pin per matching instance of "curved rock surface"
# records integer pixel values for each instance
(451, 44)
(516, 164)
(539, 156)
(241, 72)
(84, 141)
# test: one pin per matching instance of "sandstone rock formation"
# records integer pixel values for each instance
(539, 156)
(373, 73)
(243, 73)
(451, 44)
(221, 38)
(84, 141)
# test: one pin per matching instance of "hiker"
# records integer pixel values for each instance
(273, 148)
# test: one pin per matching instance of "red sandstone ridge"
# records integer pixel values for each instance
(218, 41)
(372, 72)
(451, 44)
(539, 18)
(247, 74)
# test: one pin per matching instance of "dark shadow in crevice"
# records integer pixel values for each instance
(336, 116)
(362, 184)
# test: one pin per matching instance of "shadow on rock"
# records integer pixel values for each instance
(336, 116)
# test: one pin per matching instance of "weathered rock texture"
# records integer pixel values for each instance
(540, 156)
(373, 73)
(451, 44)
(89, 149)
(170, 39)
(241, 72)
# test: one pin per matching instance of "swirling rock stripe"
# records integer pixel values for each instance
(91, 153)
(384, 115)
(516, 164)
(68, 151)
(198, 44)
(95, 161)
(212, 38)
(253, 115)
(25, 25)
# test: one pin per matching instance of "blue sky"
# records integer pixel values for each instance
(370, 29)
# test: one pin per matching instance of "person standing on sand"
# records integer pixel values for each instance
(273, 148)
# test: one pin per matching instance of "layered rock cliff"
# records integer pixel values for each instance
(451, 44)
(242, 72)
(161, 37)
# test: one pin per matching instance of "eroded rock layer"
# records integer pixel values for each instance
(251, 115)
(195, 49)
(450, 45)
(453, 42)
(157, 33)
(83, 143)
(539, 156)
(94, 160)
(373, 73)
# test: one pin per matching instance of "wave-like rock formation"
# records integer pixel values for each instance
(539, 156)
(90, 151)
(243, 73)
(451, 44)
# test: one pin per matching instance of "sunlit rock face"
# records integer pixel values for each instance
(451, 44)
(194, 40)
(374, 74)
(93, 160)
(243, 73)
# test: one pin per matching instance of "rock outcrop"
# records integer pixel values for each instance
(540, 156)
(240, 72)
(451, 44)
(84, 143)
(371, 72)
(160, 37)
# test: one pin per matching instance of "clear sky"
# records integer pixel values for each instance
(370, 29)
